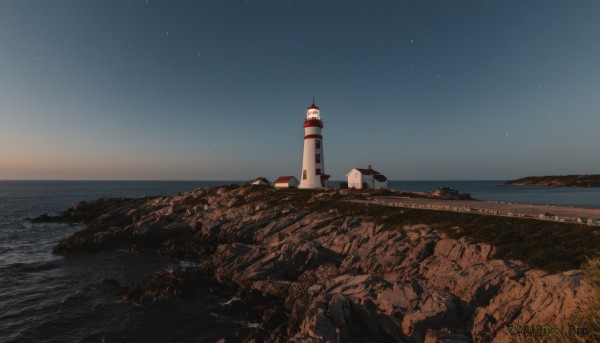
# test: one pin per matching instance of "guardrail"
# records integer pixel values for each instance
(493, 212)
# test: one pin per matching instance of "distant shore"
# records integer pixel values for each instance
(586, 181)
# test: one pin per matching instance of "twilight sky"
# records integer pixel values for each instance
(217, 90)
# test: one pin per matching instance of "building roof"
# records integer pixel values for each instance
(284, 179)
(262, 179)
(368, 171)
(372, 172)
(380, 178)
(313, 106)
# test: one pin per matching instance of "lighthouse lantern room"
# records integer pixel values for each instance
(313, 162)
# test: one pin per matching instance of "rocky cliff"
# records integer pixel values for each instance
(316, 276)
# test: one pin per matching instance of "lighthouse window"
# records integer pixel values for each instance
(318, 144)
(318, 158)
(304, 174)
(318, 171)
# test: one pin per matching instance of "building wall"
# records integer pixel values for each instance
(291, 183)
(356, 179)
(294, 183)
(309, 166)
(380, 185)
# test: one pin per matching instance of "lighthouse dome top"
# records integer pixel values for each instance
(312, 112)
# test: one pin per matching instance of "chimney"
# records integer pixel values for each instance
(369, 167)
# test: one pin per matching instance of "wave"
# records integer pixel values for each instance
(17, 268)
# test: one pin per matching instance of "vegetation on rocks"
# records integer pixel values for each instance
(550, 246)
(589, 316)
(585, 322)
(588, 180)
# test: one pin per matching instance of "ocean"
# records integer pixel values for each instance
(49, 298)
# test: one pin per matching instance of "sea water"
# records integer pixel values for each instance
(50, 298)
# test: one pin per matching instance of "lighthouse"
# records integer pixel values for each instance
(313, 162)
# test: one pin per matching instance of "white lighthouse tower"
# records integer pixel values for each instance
(313, 162)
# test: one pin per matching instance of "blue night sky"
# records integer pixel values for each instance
(217, 90)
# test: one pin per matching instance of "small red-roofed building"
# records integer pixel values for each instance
(359, 178)
(286, 182)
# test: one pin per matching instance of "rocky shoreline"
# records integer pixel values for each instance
(315, 276)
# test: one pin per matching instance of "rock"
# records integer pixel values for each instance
(533, 299)
(181, 284)
(445, 337)
(320, 277)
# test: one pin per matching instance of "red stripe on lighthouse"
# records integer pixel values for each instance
(312, 136)
(313, 122)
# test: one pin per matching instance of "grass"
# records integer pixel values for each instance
(589, 316)
(276, 197)
(549, 246)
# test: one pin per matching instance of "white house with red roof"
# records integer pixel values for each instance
(286, 182)
(366, 179)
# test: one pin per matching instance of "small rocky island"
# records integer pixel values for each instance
(310, 266)
(587, 180)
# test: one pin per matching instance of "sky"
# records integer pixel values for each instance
(218, 90)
